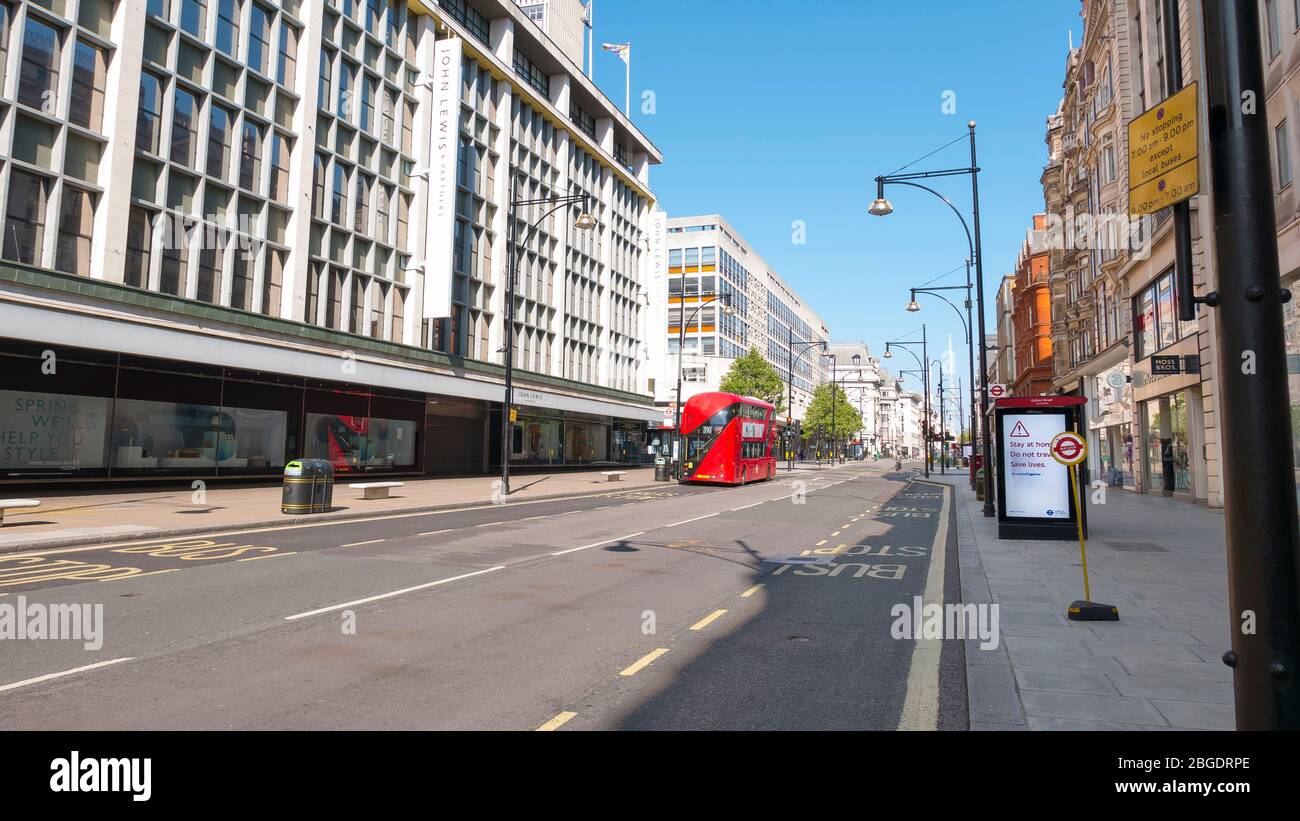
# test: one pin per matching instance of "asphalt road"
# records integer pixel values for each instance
(676, 607)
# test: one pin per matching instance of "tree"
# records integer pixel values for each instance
(752, 375)
(847, 419)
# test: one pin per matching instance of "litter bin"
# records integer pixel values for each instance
(308, 486)
(661, 470)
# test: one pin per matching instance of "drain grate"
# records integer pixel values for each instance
(1135, 547)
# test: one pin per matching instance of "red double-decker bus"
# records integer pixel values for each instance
(727, 439)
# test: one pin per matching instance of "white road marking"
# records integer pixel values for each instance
(404, 590)
(747, 507)
(921, 706)
(598, 544)
(277, 528)
(436, 532)
(696, 519)
(71, 672)
(358, 544)
(136, 576)
(277, 555)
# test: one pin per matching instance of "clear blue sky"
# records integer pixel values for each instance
(770, 111)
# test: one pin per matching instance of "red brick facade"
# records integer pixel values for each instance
(1032, 318)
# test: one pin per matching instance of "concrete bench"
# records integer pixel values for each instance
(4, 503)
(376, 490)
(613, 475)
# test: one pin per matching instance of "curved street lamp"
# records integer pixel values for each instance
(584, 222)
(727, 310)
(882, 207)
(924, 362)
(913, 306)
(789, 373)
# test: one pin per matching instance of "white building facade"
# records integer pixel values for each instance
(250, 232)
(707, 258)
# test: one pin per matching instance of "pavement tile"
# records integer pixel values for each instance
(1065, 724)
(1091, 707)
(1046, 631)
(1203, 670)
(1178, 689)
(1211, 653)
(1091, 683)
(1065, 662)
(1155, 650)
(1197, 715)
(988, 726)
(1124, 632)
(1046, 645)
(1010, 615)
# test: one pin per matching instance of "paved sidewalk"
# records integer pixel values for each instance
(1161, 561)
(89, 516)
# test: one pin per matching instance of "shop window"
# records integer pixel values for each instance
(170, 424)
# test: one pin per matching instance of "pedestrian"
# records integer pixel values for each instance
(1167, 463)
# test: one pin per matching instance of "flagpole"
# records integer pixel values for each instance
(591, 39)
(627, 82)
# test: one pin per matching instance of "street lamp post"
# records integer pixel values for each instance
(943, 442)
(790, 360)
(584, 222)
(882, 207)
(834, 437)
(924, 362)
(857, 362)
(915, 306)
(725, 299)
(1258, 464)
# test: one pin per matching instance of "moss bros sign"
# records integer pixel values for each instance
(1034, 497)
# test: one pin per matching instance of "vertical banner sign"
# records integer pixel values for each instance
(443, 143)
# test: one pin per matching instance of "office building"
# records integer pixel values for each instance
(708, 258)
(239, 232)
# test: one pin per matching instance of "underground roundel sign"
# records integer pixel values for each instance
(1069, 448)
(997, 391)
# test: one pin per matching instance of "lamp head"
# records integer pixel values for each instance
(881, 207)
(585, 221)
(913, 306)
(888, 353)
